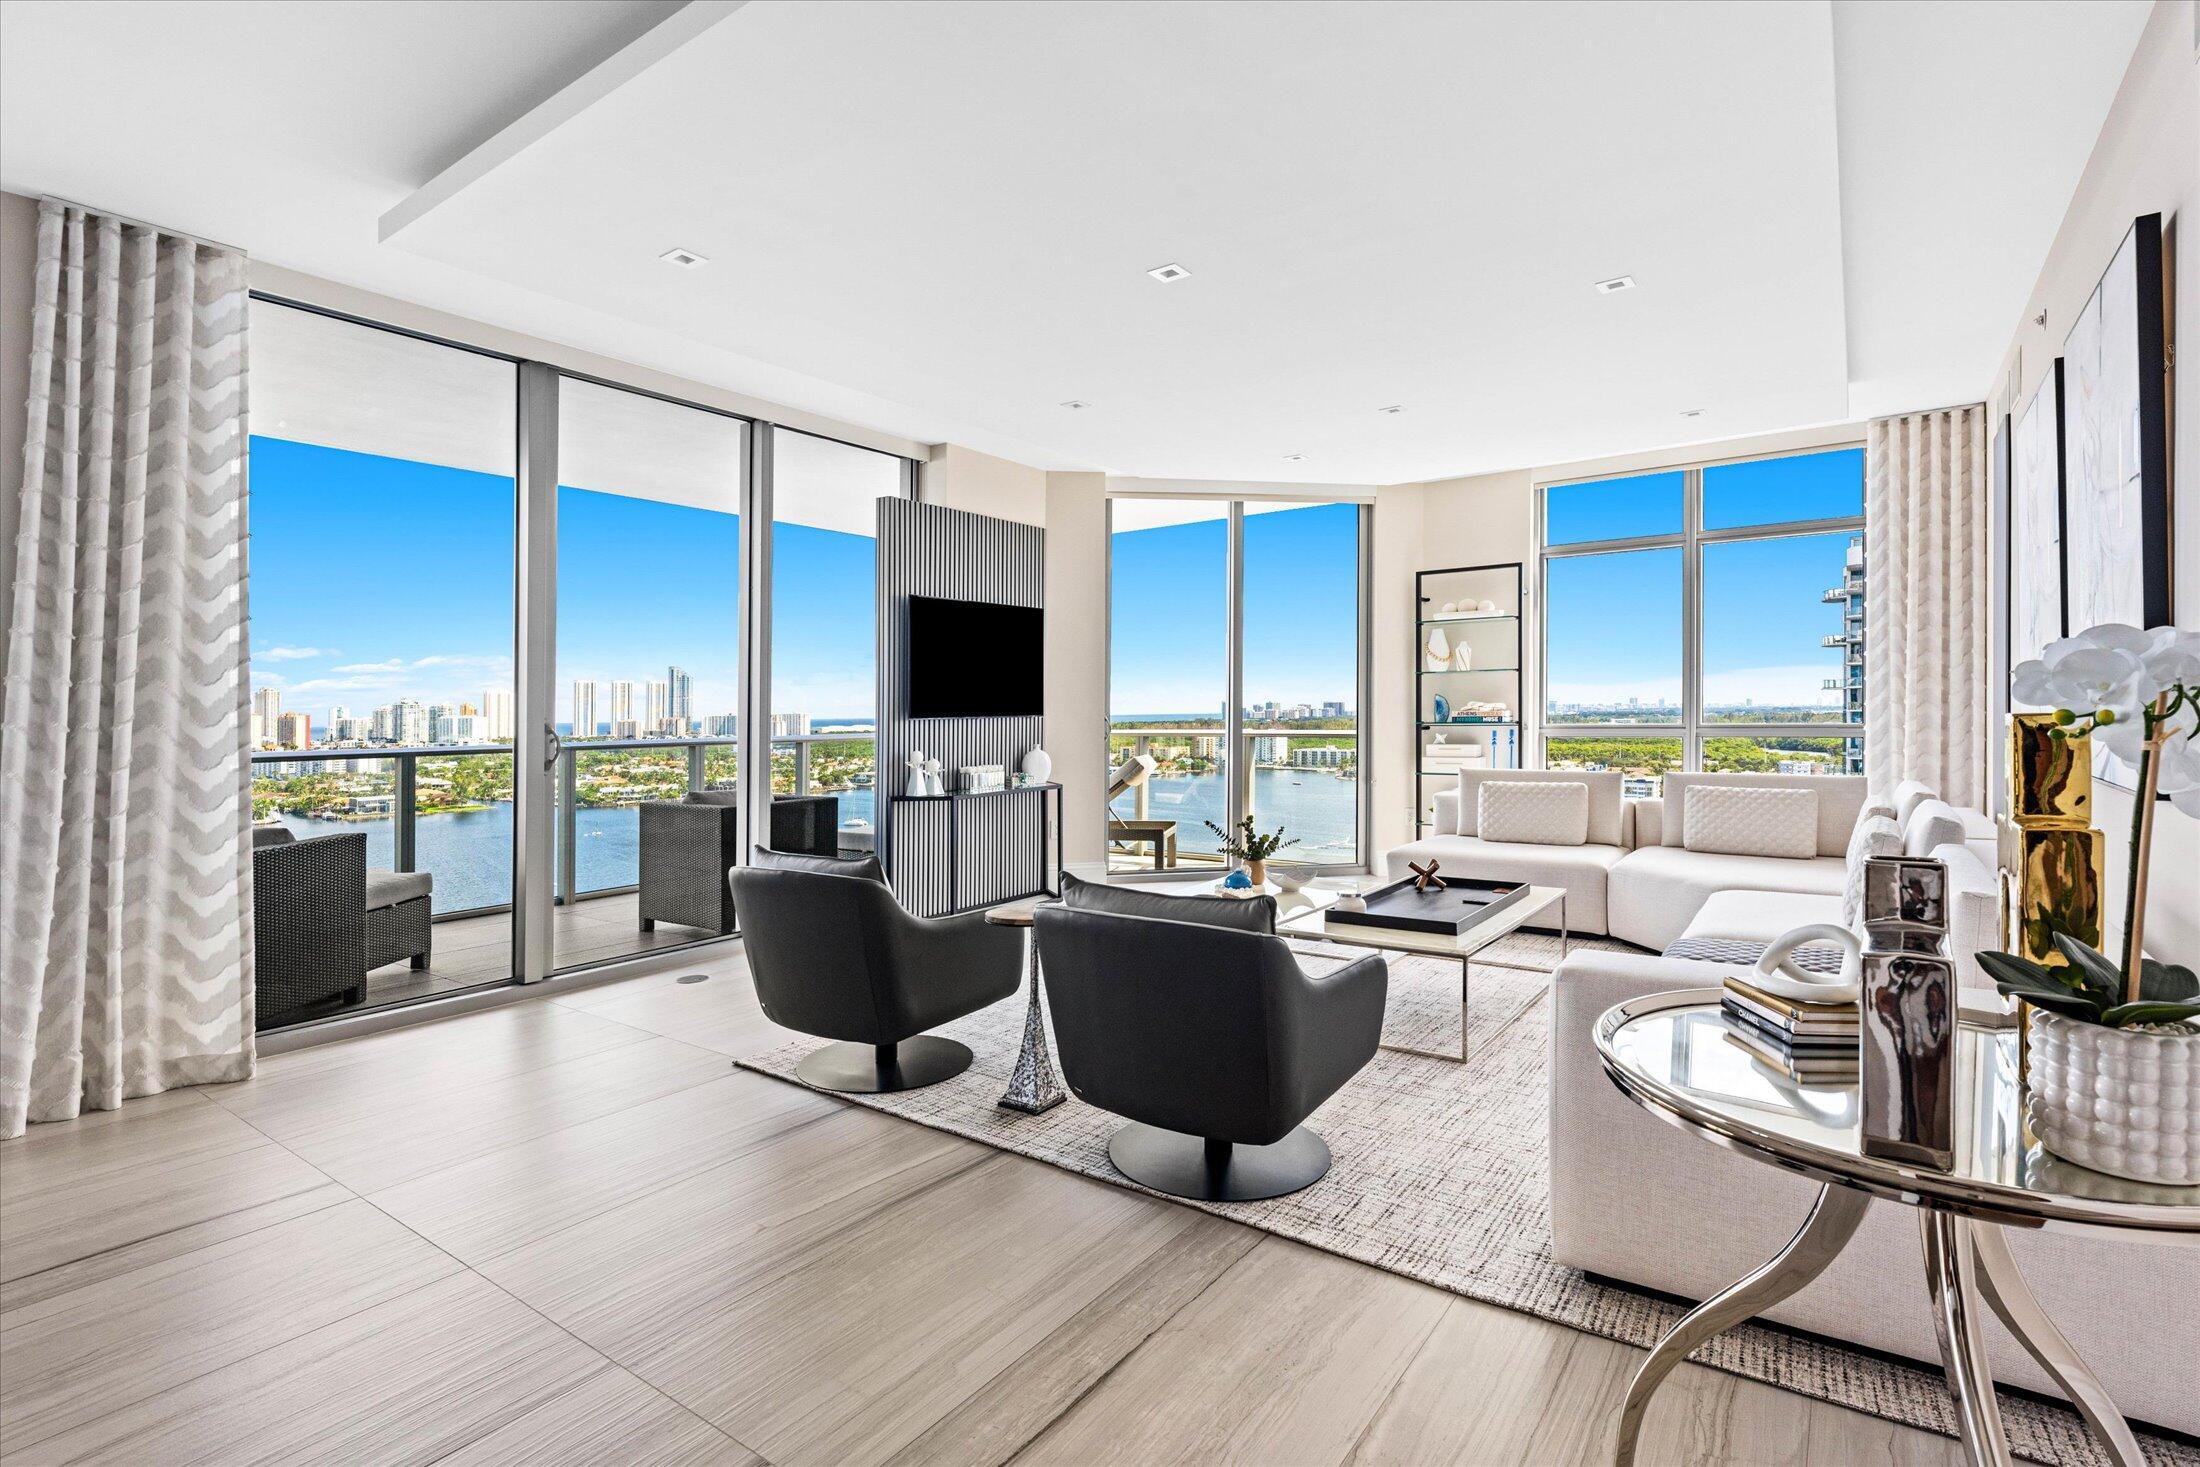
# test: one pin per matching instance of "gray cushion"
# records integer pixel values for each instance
(714, 797)
(1244, 914)
(388, 888)
(271, 835)
(863, 868)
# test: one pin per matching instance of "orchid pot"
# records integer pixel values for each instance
(2114, 1079)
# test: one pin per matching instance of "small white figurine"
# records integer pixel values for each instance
(934, 784)
(918, 785)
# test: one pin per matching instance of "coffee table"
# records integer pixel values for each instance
(1305, 914)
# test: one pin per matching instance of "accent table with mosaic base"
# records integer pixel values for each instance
(1033, 1087)
(1669, 1054)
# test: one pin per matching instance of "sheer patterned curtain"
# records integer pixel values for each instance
(125, 854)
(1925, 602)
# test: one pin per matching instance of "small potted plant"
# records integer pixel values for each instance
(2114, 1081)
(1251, 847)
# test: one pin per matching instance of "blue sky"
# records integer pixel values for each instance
(375, 579)
(1169, 612)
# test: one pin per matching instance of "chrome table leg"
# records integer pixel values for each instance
(2005, 1289)
(1952, 1282)
(1832, 1222)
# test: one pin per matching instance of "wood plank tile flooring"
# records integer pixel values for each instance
(567, 1231)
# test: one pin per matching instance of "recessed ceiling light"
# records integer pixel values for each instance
(1393, 410)
(1294, 458)
(1166, 273)
(685, 259)
(1076, 405)
(1617, 282)
(1693, 412)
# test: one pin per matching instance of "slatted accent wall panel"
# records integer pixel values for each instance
(928, 550)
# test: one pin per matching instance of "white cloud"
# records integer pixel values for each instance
(395, 664)
(293, 654)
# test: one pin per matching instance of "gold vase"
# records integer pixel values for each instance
(2053, 863)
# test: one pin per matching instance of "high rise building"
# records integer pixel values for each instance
(622, 709)
(790, 725)
(1272, 750)
(1849, 596)
(1333, 710)
(584, 709)
(410, 720)
(680, 689)
(267, 707)
(294, 731)
(496, 714)
(654, 709)
(443, 723)
(722, 725)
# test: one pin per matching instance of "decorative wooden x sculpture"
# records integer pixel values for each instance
(1425, 877)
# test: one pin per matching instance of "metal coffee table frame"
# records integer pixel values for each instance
(1968, 1265)
(1467, 946)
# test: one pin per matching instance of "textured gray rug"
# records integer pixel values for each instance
(1442, 1176)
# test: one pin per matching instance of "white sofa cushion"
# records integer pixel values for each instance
(1760, 916)
(1656, 891)
(1635, 1199)
(1932, 823)
(1751, 822)
(1907, 796)
(1607, 801)
(1584, 871)
(1877, 834)
(1533, 812)
(1840, 796)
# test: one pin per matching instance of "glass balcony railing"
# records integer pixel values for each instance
(1304, 780)
(447, 809)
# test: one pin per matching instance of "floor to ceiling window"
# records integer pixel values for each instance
(382, 515)
(824, 638)
(648, 669)
(1236, 633)
(1709, 617)
(416, 580)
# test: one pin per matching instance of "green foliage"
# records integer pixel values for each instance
(1247, 844)
(2090, 988)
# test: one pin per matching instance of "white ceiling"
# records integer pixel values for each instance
(935, 219)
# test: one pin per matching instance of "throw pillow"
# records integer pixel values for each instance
(1751, 820)
(1933, 824)
(1245, 914)
(1875, 835)
(1533, 812)
(863, 868)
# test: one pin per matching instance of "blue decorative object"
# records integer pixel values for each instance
(1443, 709)
(1238, 881)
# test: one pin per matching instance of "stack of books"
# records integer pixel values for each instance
(1810, 1043)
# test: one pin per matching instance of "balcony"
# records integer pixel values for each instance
(1291, 778)
(446, 809)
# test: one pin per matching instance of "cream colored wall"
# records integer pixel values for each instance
(2146, 161)
(1077, 659)
(963, 478)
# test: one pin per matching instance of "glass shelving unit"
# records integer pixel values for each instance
(1466, 675)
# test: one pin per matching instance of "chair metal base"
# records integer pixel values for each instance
(1217, 1171)
(879, 1069)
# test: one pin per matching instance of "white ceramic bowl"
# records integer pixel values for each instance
(2121, 1101)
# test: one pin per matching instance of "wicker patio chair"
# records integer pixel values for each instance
(309, 920)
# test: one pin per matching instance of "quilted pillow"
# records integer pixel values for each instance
(1533, 812)
(1751, 820)
(1875, 835)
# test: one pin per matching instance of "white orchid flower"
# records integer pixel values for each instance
(2077, 674)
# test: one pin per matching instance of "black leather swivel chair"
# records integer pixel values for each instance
(1213, 1043)
(833, 954)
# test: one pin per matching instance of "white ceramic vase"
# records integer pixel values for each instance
(1038, 765)
(2121, 1101)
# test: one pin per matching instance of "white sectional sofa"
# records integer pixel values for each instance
(1583, 870)
(1639, 1201)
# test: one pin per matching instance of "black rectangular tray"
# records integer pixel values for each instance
(1461, 904)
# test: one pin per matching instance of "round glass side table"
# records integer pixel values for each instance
(1668, 1054)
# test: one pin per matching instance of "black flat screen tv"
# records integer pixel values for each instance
(974, 659)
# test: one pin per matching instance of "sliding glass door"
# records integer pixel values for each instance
(1255, 611)
(647, 683)
(382, 513)
(502, 650)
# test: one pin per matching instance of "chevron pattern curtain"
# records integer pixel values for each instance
(1925, 603)
(125, 853)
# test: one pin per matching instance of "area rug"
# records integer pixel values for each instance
(1449, 1184)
